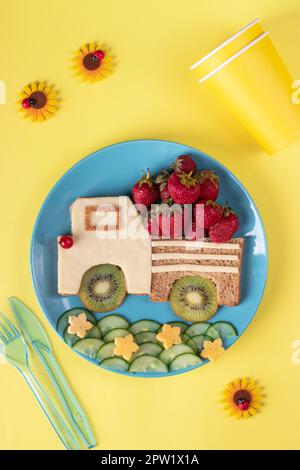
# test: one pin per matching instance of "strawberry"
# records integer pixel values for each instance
(171, 225)
(153, 226)
(194, 232)
(193, 226)
(222, 231)
(145, 191)
(166, 224)
(209, 184)
(166, 196)
(183, 188)
(162, 181)
(210, 211)
(184, 164)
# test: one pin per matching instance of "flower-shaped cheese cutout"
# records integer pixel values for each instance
(79, 325)
(242, 398)
(169, 335)
(125, 347)
(212, 349)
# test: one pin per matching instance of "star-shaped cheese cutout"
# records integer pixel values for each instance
(79, 325)
(125, 346)
(212, 349)
(169, 335)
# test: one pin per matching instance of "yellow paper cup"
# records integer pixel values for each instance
(227, 49)
(257, 87)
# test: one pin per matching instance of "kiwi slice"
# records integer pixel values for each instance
(103, 288)
(194, 298)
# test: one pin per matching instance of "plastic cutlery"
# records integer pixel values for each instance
(37, 337)
(15, 351)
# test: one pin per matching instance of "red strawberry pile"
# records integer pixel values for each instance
(184, 185)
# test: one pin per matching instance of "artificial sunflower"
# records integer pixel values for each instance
(242, 398)
(92, 62)
(38, 101)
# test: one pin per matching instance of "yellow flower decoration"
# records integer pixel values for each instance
(212, 349)
(92, 62)
(169, 336)
(125, 347)
(38, 101)
(79, 325)
(242, 398)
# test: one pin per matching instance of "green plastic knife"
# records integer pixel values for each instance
(37, 337)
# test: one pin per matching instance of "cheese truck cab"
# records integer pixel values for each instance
(106, 230)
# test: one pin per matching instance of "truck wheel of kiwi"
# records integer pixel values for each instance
(194, 298)
(103, 287)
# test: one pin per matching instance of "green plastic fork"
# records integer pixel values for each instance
(15, 351)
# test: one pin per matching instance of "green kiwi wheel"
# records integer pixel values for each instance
(103, 288)
(194, 298)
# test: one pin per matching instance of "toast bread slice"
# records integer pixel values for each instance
(221, 263)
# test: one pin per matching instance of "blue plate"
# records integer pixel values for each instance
(113, 171)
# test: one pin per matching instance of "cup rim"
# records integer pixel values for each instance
(228, 41)
(234, 56)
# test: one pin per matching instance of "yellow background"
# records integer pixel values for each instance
(152, 94)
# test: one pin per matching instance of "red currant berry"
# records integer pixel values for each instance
(66, 241)
(26, 103)
(99, 54)
(243, 404)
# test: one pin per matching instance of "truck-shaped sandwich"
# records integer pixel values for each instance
(110, 230)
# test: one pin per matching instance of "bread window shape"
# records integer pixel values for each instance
(105, 217)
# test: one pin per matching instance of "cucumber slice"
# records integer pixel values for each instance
(185, 338)
(184, 361)
(182, 326)
(168, 355)
(196, 343)
(63, 320)
(144, 325)
(111, 322)
(225, 329)
(198, 328)
(212, 333)
(146, 337)
(151, 349)
(115, 363)
(72, 339)
(147, 363)
(105, 351)
(117, 332)
(88, 346)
